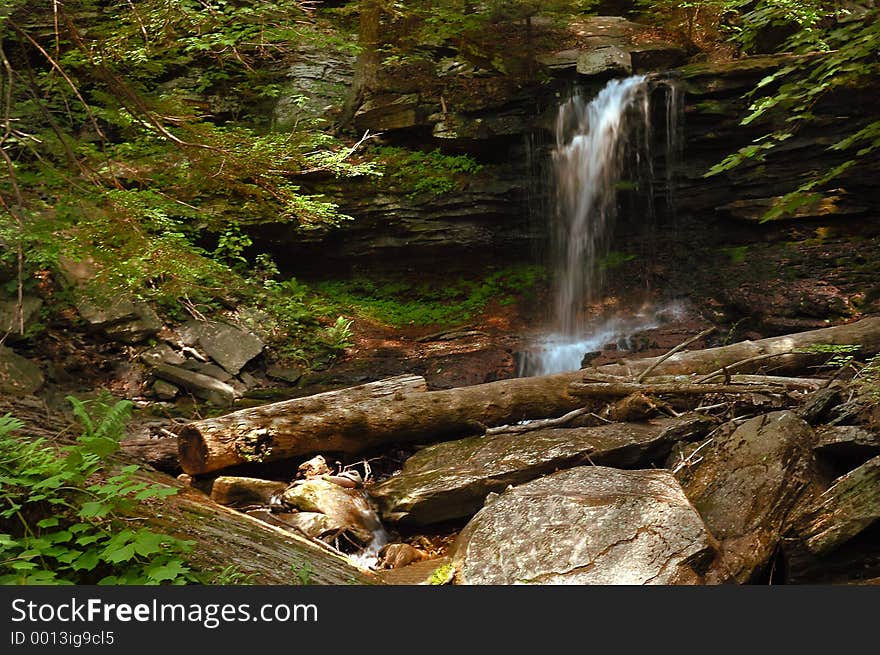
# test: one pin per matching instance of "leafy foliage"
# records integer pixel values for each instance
(839, 54)
(61, 507)
(433, 172)
(125, 139)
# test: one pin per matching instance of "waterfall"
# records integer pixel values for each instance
(595, 142)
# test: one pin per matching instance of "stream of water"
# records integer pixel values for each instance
(595, 141)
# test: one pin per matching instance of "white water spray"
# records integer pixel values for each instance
(592, 142)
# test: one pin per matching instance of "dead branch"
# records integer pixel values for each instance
(678, 348)
(539, 424)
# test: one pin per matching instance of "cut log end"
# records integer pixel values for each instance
(192, 450)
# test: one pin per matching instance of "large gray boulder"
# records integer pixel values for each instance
(745, 486)
(586, 525)
(229, 346)
(451, 480)
(119, 317)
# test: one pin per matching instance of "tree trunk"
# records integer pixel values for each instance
(366, 69)
(349, 421)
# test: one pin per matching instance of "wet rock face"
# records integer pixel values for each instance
(451, 480)
(745, 486)
(13, 317)
(586, 525)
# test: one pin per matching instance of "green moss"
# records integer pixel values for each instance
(442, 575)
(399, 302)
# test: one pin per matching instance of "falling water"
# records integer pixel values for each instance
(594, 142)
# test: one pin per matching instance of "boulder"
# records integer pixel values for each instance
(391, 112)
(312, 524)
(395, 556)
(610, 61)
(10, 318)
(452, 479)
(745, 486)
(347, 510)
(656, 57)
(142, 326)
(846, 441)
(162, 354)
(289, 374)
(816, 405)
(118, 316)
(586, 525)
(202, 386)
(164, 390)
(206, 368)
(824, 525)
(229, 346)
(18, 376)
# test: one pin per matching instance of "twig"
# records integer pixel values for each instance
(687, 460)
(678, 348)
(538, 425)
(706, 408)
(725, 369)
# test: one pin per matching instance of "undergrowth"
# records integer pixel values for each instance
(402, 302)
(62, 509)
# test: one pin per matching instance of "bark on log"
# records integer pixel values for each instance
(258, 433)
(865, 333)
(161, 454)
(350, 421)
(339, 423)
(684, 388)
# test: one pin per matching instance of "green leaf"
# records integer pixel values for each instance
(161, 572)
(94, 509)
(87, 561)
(117, 555)
(148, 543)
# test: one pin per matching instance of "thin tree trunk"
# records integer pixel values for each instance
(366, 69)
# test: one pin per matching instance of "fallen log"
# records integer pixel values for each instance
(160, 453)
(864, 333)
(684, 388)
(350, 421)
(340, 424)
(783, 383)
(259, 433)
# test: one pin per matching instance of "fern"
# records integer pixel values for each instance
(58, 525)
